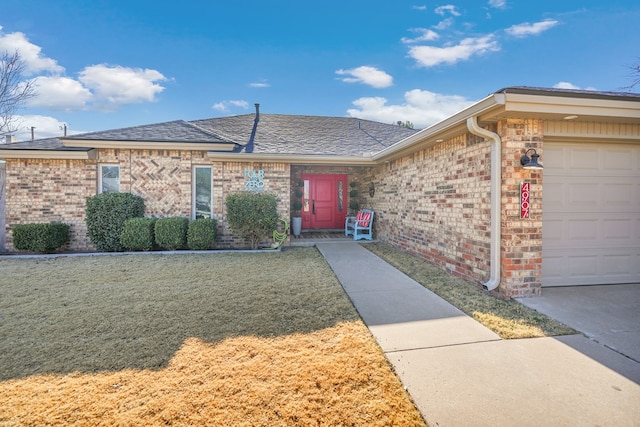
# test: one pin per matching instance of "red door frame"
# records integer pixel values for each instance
(322, 206)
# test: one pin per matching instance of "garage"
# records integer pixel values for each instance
(591, 214)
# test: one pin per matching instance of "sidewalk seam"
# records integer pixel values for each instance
(441, 346)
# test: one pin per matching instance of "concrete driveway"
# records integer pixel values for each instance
(608, 315)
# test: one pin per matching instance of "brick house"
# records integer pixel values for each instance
(455, 194)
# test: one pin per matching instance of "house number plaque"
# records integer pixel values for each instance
(254, 180)
(525, 200)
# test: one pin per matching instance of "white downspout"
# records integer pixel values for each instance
(496, 196)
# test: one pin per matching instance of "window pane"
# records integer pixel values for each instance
(340, 198)
(305, 203)
(203, 194)
(110, 179)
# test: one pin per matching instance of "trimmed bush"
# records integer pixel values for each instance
(171, 233)
(252, 216)
(138, 234)
(106, 215)
(202, 233)
(42, 238)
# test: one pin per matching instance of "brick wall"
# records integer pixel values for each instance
(40, 191)
(521, 238)
(229, 178)
(56, 190)
(435, 203)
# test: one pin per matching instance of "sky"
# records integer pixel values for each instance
(104, 64)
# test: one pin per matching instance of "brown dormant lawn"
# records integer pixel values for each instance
(242, 339)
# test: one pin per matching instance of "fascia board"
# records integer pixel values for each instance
(593, 107)
(291, 158)
(48, 154)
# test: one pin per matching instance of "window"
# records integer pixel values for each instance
(109, 179)
(202, 192)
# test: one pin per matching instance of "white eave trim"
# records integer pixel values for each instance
(291, 158)
(432, 135)
(595, 107)
(48, 154)
(149, 145)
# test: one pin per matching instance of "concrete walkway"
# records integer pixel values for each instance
(460, 373)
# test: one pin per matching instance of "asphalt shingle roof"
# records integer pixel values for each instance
(175, 131)
(51, 144)
(275, 134)
(308, 135)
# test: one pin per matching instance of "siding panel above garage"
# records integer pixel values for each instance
(591, 214)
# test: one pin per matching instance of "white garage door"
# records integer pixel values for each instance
(591, 214)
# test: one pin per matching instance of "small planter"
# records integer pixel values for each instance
(296, 225)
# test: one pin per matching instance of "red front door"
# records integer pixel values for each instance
(324, 201)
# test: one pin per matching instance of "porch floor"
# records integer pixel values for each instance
(311, 237)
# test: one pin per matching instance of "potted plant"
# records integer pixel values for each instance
(296, 220)
(354, 205)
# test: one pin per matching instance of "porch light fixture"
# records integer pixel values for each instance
(530, 163)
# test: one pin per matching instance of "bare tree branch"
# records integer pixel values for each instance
(14, 92)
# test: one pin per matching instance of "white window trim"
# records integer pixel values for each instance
(193, 189)
(100, 166)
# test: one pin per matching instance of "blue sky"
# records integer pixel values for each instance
(110, 64)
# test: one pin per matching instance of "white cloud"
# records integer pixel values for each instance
(31, 54)
(528, 29)
(45, 127)
(421, 7)
(565, 85)
(498, 4)
(367, 75)
(421, 107)
(259, 84)
(444, 24)
(225, 105)
(430, 56)
(122, 85)
(97, 86)
(61, 93)
(441, 10)
(568, 85)
(424, 34)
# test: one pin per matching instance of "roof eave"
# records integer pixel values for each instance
(292, 158)
(442, 130)
(48, 154)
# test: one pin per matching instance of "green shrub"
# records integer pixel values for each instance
(171, 233)
(42, 238)
(138, 234)
(106, 215)
(252, 216)
(202, 233)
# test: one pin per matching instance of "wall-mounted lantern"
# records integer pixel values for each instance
(530, 162)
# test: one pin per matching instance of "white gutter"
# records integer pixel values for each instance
(496, 195)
